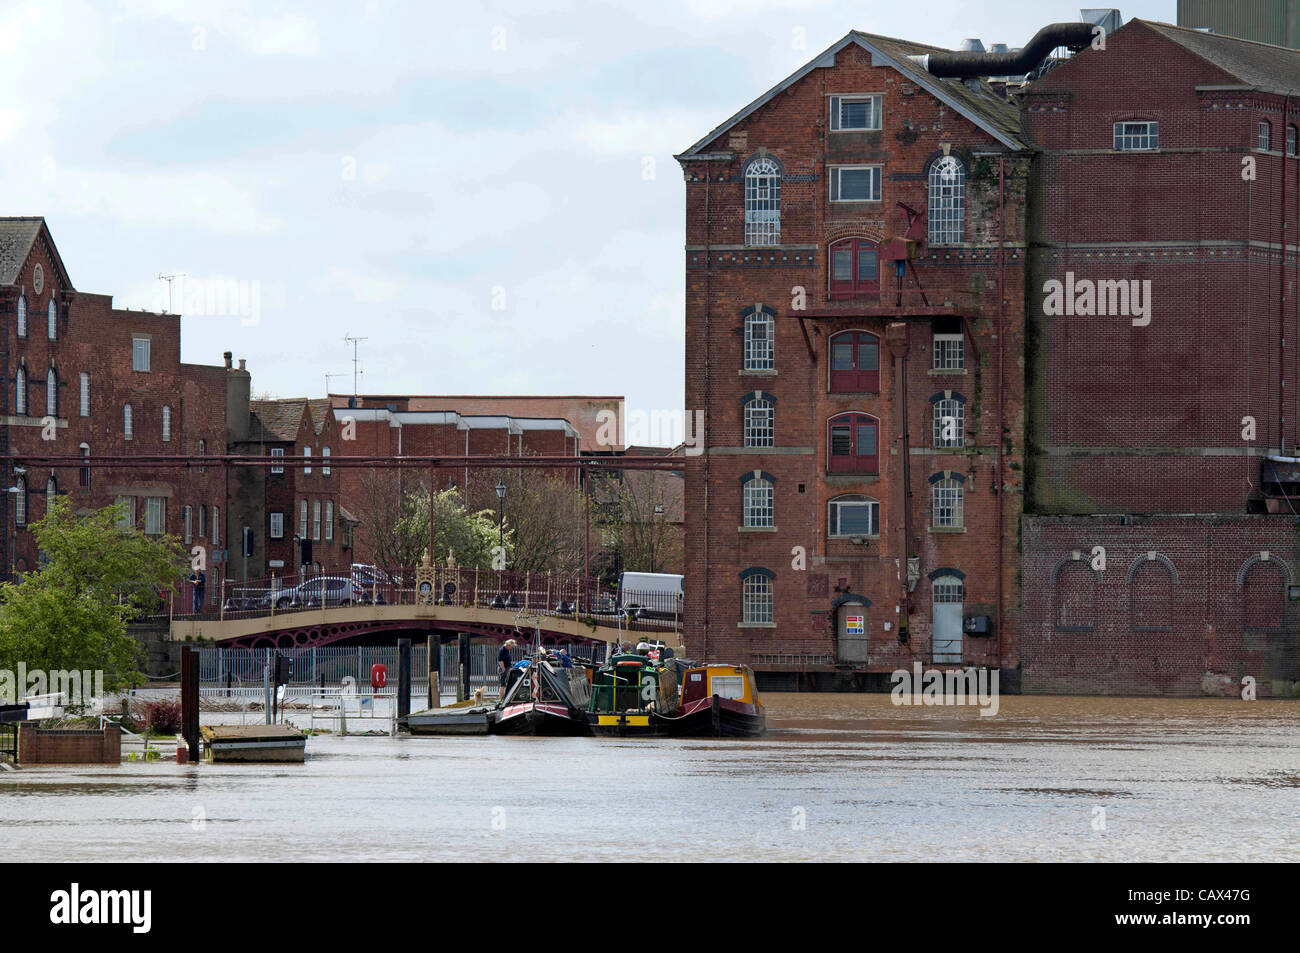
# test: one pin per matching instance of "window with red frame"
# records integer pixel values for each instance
(855, 363)
(854, 268)
(853, 444)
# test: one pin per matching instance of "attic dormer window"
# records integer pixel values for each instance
(855, 113)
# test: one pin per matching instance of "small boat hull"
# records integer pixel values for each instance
(539, 718)
(718, 717)
(448, 721)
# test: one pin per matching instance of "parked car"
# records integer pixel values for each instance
(338, 591)
(366, 576)
(650, 595)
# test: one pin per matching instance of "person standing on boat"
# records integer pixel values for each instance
(504, 661)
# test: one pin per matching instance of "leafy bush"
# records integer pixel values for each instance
(163, 717)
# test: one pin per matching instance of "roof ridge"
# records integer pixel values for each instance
(1217, 36)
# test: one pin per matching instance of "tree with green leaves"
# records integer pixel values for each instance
(97, 576)
(471, 535)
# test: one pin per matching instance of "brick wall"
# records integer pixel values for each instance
(959, 280)
(1185, 605)
(38, 745)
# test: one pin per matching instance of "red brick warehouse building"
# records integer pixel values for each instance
(1166, 439)
(114, 384)
(854, 319)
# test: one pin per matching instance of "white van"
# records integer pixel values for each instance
(651, 595)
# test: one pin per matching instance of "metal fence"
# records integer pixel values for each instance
(541, 593)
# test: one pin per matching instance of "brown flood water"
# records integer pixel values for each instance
(841, 777)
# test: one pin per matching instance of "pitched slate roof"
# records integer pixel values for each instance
(275, 420)
(1274, 68)
(982, 106)
(17, 235)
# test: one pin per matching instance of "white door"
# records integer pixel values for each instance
(946, 605)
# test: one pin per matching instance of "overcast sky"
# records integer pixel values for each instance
(485, 191)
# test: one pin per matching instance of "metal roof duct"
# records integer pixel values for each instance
(1075, 36)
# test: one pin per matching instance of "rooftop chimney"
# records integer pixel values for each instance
(228, 356)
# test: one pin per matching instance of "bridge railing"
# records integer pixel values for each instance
(528, 593)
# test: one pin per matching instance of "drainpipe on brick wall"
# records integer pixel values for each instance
(897, 339)
(1281, 316)
(708, 392)
(1002, 305)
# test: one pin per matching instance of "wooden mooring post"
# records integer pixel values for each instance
(190, 701)
(403, 678)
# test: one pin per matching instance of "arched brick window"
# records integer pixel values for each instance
(757, 598)
(855, 363)
(1262, 582)
(949, 429)
(947, 218)
(1151, 581)
(853, 444)
(1074, 591)
(758, 499)
(22, 316)
(20, 391)
(760, 419)
(763, 202)
(854, 268)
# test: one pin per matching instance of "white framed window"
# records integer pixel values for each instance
(128, 432)
(20, 501)
(853, 515)
(763, 202)
(127, 519)
(759, 502)
(277, 526)
(1137, 136)
(949, 352)
(51, 493)
(187, 520)
(22, 316)
(51, 393)
(946, 503)
(947, 589)
(760, 342)
(52, 313)
(201, 529)
(140, 354)
(216, 525)
(1291, 140)
(1265, 140)
(85, 394)
(756, 598)
(166, 424)
(302, 519)
(324, 464)
(315, 520)
(155, 515)
(277, 452)
(329, 521)
(306, 452)
(949, 423)
(947, 220)
(20, 391)
(855, 113)
(854, 183)
(760, 422)
(84, 473)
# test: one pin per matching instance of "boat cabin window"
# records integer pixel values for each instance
(727, 686)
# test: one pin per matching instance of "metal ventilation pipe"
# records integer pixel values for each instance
(1075, 36)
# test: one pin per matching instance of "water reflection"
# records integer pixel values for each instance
(840, 777)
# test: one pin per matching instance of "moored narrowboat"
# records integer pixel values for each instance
(718, 700)
(544, 698)
(628, 692)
